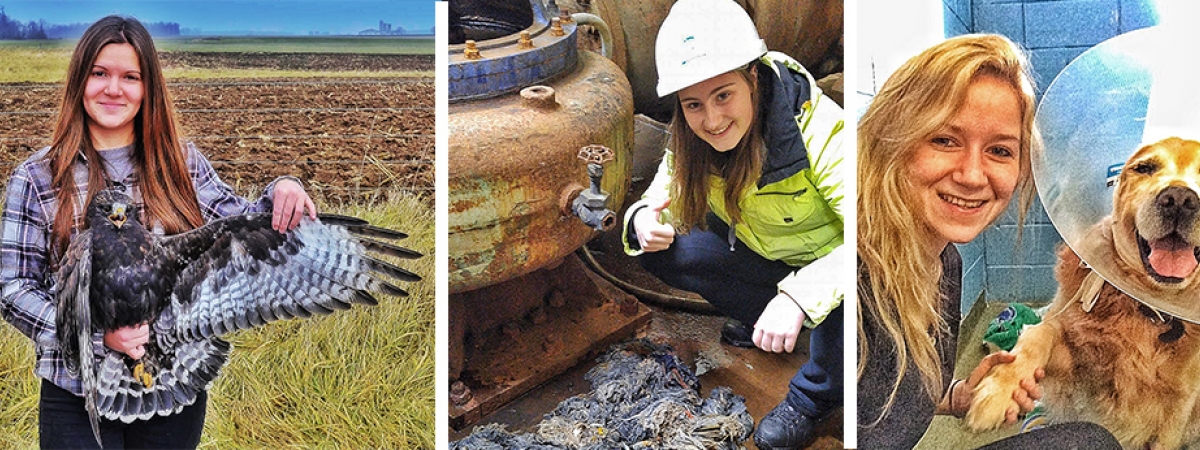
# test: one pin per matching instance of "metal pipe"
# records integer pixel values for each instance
(643, 294)
(606, 38)
(599, 219)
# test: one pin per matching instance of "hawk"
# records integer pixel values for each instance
(232, 274)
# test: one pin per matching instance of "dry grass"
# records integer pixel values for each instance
(39, 65)
(362, 378)
(48, 64)
(193, 73)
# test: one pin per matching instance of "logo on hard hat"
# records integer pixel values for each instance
(689, 50)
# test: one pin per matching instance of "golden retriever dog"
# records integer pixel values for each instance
(1108, 358)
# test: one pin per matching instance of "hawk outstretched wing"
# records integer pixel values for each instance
(232, 274)
(242, 274)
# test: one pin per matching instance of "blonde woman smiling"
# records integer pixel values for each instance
(942, 150)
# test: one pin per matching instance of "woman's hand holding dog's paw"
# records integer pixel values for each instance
(1000, 389)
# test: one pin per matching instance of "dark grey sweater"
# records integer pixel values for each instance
(913, 410)
(119, 162)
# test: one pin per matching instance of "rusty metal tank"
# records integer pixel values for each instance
(513, 154)
(807, 30)
(540, 141)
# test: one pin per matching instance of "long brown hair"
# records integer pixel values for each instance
(158, 156)
(918, 99)
(696, 160)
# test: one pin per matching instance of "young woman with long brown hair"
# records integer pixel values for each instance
(116, 125)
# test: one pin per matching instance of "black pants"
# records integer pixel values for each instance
(63, 423)
(1064, 436)
(740, 283)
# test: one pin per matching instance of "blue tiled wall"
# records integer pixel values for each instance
(1070, 23)
(957, 14)
(996, 266)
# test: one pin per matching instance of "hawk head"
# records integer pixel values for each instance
(111, 205)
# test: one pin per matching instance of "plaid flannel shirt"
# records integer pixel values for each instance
(28, 216)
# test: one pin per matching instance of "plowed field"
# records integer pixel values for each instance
(346, 138)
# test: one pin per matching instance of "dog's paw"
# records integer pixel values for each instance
(993, 397)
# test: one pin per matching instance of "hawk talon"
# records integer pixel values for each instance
(141, 374)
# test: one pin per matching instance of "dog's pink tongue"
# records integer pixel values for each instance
(1170, 259)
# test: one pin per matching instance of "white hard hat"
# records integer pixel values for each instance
(701, 39)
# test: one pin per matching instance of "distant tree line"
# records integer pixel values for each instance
(74, 30)
(15, 29)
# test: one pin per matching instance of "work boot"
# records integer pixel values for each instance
(784, 428)
(737, 334)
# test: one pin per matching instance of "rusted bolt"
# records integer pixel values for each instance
(565, 15)
(460, 394)
(629, 305)
(539, 97)
(512, 330)
(526, 42)
(557, 299)
(472, 52)
(537, 316)
(556, 28)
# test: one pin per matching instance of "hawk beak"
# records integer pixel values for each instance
(118, 214)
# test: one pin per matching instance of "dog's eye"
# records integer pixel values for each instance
(1145, 167)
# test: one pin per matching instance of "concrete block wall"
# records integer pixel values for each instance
(997, 266)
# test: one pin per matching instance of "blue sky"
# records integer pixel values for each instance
(217, 16)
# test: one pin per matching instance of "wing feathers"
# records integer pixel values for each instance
(391, 270)
(256, 276)
(360, 227)
(232, 274)
(73, 321)
(195, 366)
(390, 249)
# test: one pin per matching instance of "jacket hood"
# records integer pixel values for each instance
(784, 92)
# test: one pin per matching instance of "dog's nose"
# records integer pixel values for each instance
(1177, 202)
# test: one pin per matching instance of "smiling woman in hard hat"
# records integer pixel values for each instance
(745, 208)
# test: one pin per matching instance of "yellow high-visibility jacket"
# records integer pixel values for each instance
(793, 214)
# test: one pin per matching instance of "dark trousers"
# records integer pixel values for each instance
(740, 283)
(1065, 436)
(63, 423)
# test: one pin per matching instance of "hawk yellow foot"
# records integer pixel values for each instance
(141, 374)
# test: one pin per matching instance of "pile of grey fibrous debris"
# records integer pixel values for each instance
(642, 397)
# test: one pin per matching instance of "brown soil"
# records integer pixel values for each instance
(297, 61)
(345, 138)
